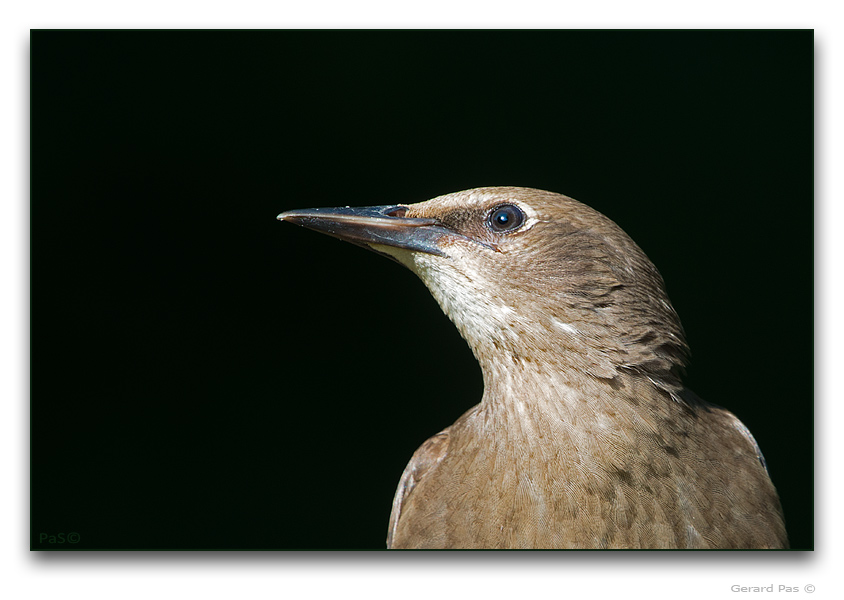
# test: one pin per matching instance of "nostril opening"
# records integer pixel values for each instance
(396, 211)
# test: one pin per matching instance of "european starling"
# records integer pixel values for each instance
(585, 436)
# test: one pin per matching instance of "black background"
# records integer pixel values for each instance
(204, 376)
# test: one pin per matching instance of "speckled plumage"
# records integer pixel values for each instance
(585, 436)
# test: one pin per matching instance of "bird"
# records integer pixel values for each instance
(585, 436)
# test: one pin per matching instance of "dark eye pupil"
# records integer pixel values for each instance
(506, 218)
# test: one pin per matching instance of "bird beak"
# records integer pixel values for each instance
(373, 226)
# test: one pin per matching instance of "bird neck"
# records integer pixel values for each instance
(518, 388)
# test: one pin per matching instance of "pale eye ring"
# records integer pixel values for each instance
(505, 218)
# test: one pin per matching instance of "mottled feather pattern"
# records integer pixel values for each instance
(610, 478)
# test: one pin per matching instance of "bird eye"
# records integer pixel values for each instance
(505, 218)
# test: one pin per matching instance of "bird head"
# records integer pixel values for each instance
(527, 276)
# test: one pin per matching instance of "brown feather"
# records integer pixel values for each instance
(585, 437)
